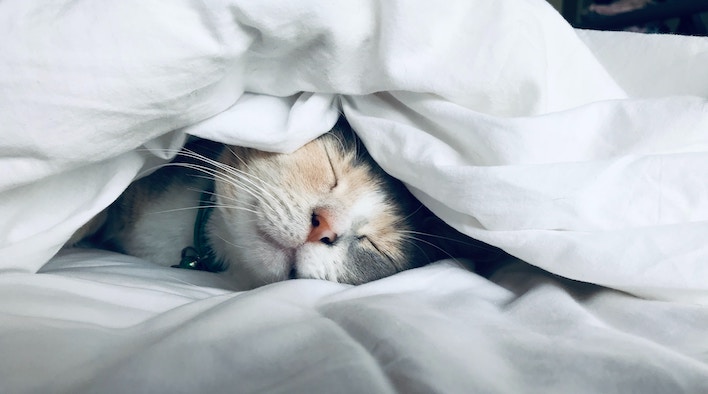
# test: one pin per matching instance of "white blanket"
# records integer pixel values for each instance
(582, 153)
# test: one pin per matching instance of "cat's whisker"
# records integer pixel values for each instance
(257, 202)
(417, 246)
(208, 163)
(257, 197)
(246, 184)
(357, 148)
(262, 183)
(252, 206)
(249, 172)
(410, 215)
(238, 178)
(175, 210)
(230, 242)
(258, 194)
(227, 199)
(472, 244)
(339, 140)
(152, 169)
(242, 175)
(237, 208)
(237, 182)
(281, 207)
(200, 207)
(411, 238)
(210, 172)
(245, 165)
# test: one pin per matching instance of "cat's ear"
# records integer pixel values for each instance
(446, 242)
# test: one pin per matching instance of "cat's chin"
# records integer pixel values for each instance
(265, 264)
(266, 261)
(260, 264)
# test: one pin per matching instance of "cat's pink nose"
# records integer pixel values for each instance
(320, 230)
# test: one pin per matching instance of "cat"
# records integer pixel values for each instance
(326, 211)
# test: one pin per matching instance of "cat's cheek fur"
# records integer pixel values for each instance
(250, 260)
(260, 265)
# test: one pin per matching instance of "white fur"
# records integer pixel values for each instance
(366, 206)
(165, 228)
(316, 260)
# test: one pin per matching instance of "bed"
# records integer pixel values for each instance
(581, 154)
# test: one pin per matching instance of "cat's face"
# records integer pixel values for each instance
(325, 211)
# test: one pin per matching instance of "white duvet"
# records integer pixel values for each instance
(584, 154)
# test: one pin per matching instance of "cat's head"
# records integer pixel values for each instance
(325, 211)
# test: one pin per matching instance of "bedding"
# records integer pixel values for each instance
(584, 155)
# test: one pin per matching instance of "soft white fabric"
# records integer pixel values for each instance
(582, 153)
(106, 323)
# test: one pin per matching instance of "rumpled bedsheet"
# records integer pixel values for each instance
(96, 322)
(582, 154)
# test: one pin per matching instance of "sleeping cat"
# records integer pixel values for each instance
(326, 211)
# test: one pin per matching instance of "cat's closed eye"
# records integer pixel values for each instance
(371, 243)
